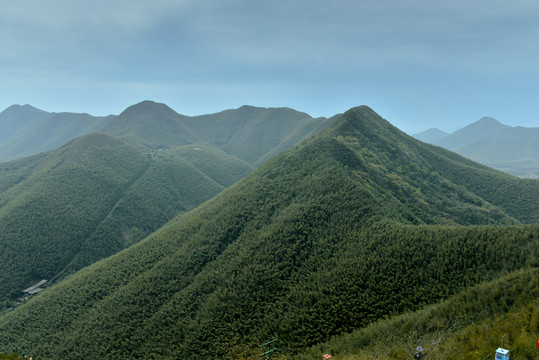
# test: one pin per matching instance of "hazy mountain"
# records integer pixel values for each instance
(356, 223)
(512, 149)
(484, 129)
(431, 135)
(249, 133)
(17, 118)
(153, 125)
(30, 131)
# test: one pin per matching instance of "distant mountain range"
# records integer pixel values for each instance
(249, 133)
(356, 223)
(511, 149)
(25, 130)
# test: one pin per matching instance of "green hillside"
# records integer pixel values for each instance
(358, 223)
(62, 210)
(152, 125)
(177, 171)
(221, 167)
(255, 134)
(249, 133)
(467, 326)
(56, 202)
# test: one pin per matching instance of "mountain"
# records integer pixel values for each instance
(511, 149)
(16, 118)
(182, 169)
(357, 223)
(255, 134)
(31, 131)
(484, 129)
(152, 125)
(65, 209)
(431, 135)
(252, 134)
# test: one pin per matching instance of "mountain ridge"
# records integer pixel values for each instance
(154, 125)
(354, 224)
(511, 149)
(94, 177)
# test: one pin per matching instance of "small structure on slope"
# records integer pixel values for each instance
(502, 354)
(268, 349)
(34, 288)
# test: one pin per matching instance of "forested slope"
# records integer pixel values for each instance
(249, 133)
(252, 134)
(353, 225)
(467, 326)
(178, 170)
(62, 210)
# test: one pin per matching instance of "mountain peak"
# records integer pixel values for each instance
(485, 124)
(360, 120)
(431, 135)
(22, 109)
(488, 121)
(148, 107)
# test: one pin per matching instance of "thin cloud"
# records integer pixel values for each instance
(312, 55)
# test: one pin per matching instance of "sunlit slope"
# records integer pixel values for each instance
(255, 134)
(252, 134)
(355, 224)
(467, 326)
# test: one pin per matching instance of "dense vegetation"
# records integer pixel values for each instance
(96, 196)
(249, 133)
(468, 326)
(356, 224)
(65, 209)
(255, 134)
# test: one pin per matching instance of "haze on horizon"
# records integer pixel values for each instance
(419, 64)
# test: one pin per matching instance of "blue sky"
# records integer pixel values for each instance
(419, 64)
